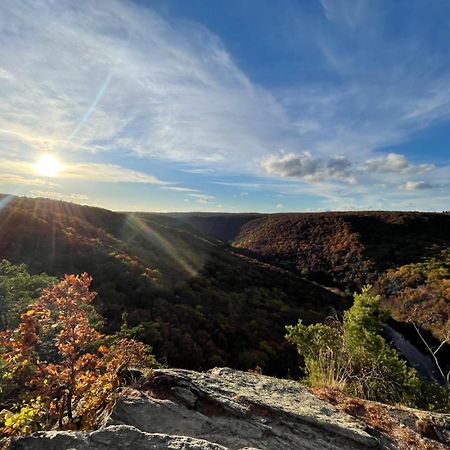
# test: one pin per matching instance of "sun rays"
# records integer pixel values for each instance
(179, 255)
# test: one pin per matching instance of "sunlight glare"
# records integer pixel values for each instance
(48, 166)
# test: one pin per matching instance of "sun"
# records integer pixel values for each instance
(48, 166)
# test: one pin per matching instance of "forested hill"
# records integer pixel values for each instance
(185, 278)
(405, 255)
(222, 226)
(199, 304)
(344, 249)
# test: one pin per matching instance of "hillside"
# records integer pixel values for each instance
(199, 304)
(404, 254)
(345, 249)
(222, 226)
(190, 278)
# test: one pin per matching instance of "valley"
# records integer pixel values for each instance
(218, 289)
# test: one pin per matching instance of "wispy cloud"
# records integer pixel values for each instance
(349, 12)
(202, 198)
(113, 77)
(180, 189)
(18, 180)
(137, 84)
(109, 173)
(97, 172)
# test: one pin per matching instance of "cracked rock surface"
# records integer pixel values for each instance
(221, 409)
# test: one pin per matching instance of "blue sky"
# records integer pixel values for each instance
(255, 105)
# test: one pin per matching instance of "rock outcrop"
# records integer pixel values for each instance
(228, 409)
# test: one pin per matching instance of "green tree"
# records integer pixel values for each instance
(18, 289)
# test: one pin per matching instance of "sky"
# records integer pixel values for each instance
(227, 105)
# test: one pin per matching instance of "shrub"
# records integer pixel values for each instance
(353, 357)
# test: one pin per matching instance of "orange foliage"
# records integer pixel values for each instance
(60, 358)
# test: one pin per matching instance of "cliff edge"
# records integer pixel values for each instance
(228, 409)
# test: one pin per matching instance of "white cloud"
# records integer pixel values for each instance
(417, 186)
(394, 162)
(308, 167)
(5, 75)
(180, 189)
(279, 205)
(311, 168)
(292, 165)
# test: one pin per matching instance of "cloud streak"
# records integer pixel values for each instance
(137, 84)
(79, 198)
(420, 186)
(97, 172)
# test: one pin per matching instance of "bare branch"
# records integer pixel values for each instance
(445, 377)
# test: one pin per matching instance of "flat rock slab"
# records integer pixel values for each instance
(112, 437)
(226, 409)
(237, 410)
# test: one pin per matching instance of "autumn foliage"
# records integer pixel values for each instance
(64, 371)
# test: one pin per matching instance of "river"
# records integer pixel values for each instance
(423, 363)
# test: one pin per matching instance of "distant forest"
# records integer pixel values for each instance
(218, 289)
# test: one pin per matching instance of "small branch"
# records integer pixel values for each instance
(433, 354)
(441, 345)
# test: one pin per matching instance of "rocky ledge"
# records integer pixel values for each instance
(227, 409)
